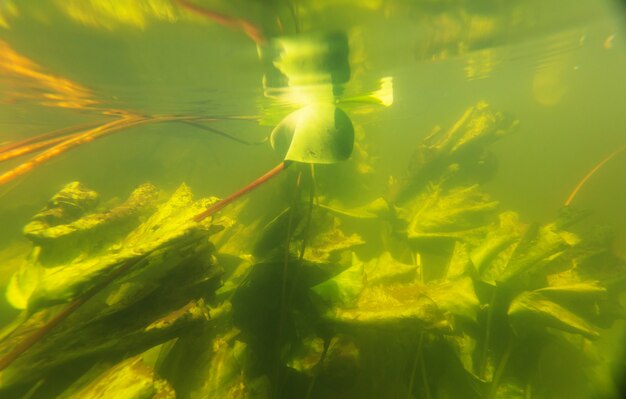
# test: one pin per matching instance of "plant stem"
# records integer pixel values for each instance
(251, 30)
(426, 386)
(419, 361)
(283, 289)
(593, 170)
(489, 322)
(256, 183)
(497, 375)
(318, 368)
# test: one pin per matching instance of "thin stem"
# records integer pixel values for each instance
(45, 136)
(318, 368)
(256, 183)
(593, 170)
(423, 371)
(486, 342)
(221, 133)
(309, 216)
(283, 288)
(500, 370)
(251, 30)
(27, 149)
(416, 360)
(74, 141)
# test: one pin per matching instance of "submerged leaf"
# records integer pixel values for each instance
(457, 213)
(537, 247)
(461, 148)
(23, 282)
(533, 309)
(511, 249)
(377, 209)
(388, 307)
(464, 347)
(328, 239)
(170, 224)
(129, 379)
(385, 270)
(42, 232)
(456, 297)
(344, 288)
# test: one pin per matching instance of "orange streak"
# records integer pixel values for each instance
(68, 144)
(591, 173)
(251, 30)
(222, 203)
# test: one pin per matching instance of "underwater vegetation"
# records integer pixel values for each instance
(431, 290)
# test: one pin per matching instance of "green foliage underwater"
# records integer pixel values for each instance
(378, 257)
(429, 291)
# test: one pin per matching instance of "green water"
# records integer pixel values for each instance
(421, 267)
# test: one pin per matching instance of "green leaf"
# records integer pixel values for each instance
(456, 297)
(511, 249)
(452, 214)
(510, 391)
(537, 247)
(461, 149)
(460, 263)
(328, 239)
(170, 225)
(398, 306)
(23, 283)
(491, 256)
(385, 269)
(377, 209)
(318, 133)
(345, 288)
(129, 379)
(577, 291)
(464, 347)
(533, 309)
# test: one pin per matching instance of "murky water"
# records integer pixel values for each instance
(393, 273)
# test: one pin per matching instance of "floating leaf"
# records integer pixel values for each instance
(318, 133)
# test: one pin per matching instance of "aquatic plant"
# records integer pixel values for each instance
(430, 290)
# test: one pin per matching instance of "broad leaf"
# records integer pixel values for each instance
(129, 379)
(318, 133)
(533, 309)
(345, 288)
(456, 297)
(170, 225)
(458, 213)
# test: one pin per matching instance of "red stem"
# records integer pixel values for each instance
(36, 336)
(251, 30)
(222, 203)
(45, 136)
